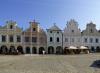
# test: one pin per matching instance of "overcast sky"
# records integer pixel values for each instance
(47, 12)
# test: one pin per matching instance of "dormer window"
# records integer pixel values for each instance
(11, 26)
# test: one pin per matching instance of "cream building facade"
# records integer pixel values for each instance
(10, 38)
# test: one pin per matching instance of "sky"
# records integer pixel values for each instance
(48, 12)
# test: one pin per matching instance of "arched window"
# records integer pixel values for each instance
(50, 31)
(11, 26)
(51, 39)
(91, 30)
(57, 39)
(34, 29)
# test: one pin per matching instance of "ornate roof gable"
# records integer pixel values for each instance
(55, 27)
(90, 30)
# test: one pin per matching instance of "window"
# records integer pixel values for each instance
(34, 29)
(97, 40)
(34, 39)
(11, 38)
(51, 39)
(3, 38)
(42, 39)
(11, 26)
(72, 31)
(57, 32)
(18, 38)
(50, 31)
(92, 48)
(66, 39)
(78, 40)
(72, 39)
(91, 40)
(57, 39)
(91, 30)
(85, 40)
(26, 39)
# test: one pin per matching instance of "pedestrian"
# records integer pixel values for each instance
(43, 52)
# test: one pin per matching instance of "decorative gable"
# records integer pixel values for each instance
(72, 28)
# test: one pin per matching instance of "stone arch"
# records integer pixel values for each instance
(88, 48)
(59, 50)
(12, 50)
(20, 49)
(50, 50)
(41, 50)
(92, 49)
(66, 50)
(34, 50)
(28, 50)
(97, 49)
(3, 49)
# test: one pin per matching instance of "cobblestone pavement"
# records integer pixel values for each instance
(49, 63)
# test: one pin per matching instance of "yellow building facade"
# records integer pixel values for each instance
(34, 39)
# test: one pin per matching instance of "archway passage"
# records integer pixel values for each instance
(97, 49)
(59, 50)
(27, 50)
(41, 49)
(3, 50)
(66, 50)
(12, 50)
(92, 49)
(50, 50)
(20, 49)
(34, 50)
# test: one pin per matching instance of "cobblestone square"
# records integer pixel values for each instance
(49, 63)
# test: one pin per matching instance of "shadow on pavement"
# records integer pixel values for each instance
(95, 64)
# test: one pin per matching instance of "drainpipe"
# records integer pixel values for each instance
(62, 42)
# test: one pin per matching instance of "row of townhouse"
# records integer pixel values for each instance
(30, 41)
(58, 40)
(34, 40)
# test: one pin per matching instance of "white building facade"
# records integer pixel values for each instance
(91, 37)
(71, 35)
(54, 40)
(34, 40)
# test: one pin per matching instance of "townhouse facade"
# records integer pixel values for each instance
(54, 40)
(10, 38)
(35, 40)
(91, 37)
(71, 35)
